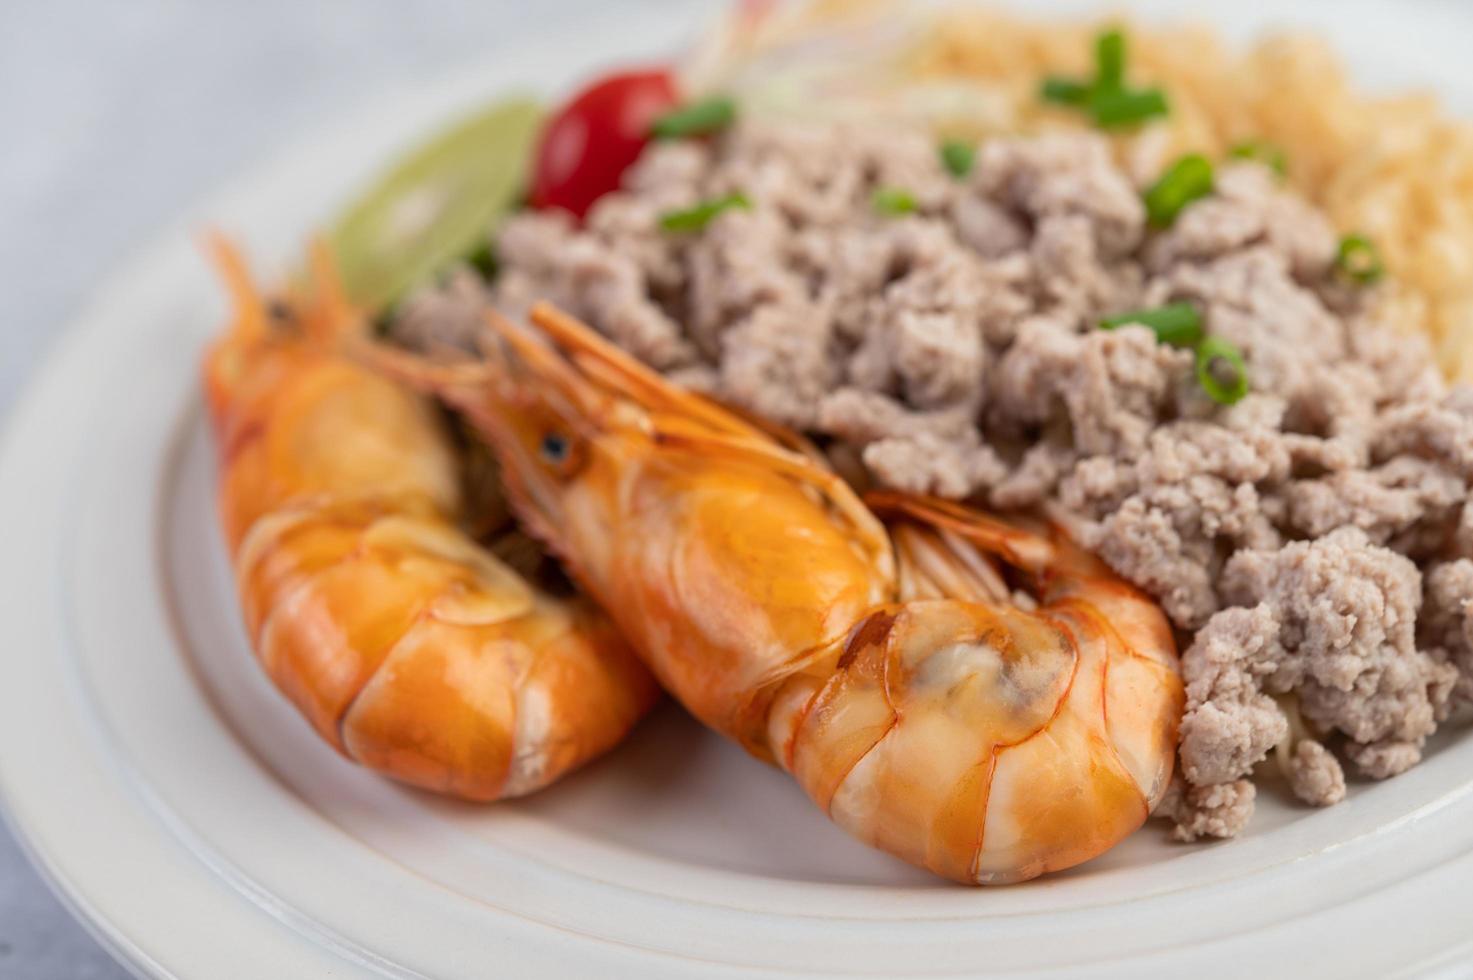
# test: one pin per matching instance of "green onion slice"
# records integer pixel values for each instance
(1177, 324)
(1064, 91)
(696, 218)
(485, 261)
(1111, 103)
(1221, 371)
(1115, 108)
(1271, 155)
(1359, 260)
(893, 200)
(696, 119)
(1185, 181)
(957, 157)
(1110, 60)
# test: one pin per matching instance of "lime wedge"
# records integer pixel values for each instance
(436, 205)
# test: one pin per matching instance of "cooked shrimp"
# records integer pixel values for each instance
(993, 705)
(408, 646)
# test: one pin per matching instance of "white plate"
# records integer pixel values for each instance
(193, 820)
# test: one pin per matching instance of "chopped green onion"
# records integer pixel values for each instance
(1114, 108)
(1108, 100)
(1185, 181)
(698, 217)
(957, 157)
(696, 119)
(1064, 91)
(1110, 60)
(1359, 260)
(1271, 155)
(893, 200)
(1221, 371)
(1178, 324)
(484, 261)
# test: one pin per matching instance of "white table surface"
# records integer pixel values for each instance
(113, 118)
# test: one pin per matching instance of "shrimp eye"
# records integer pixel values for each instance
(555, 448)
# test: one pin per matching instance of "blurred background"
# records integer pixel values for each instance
(118, 116)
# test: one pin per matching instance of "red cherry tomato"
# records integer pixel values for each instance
(586, 147)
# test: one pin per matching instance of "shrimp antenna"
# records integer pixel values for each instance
(249, 305)
(331, 315)
(547, 364)
(617, 370)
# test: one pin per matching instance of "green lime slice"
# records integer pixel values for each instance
(436, 205)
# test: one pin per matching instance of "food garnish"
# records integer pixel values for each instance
(1269, 154)
(957, 157)
(1110, 60)
(1127, 107)
(435, 205)
(1185, 181)
(1110, 103)
(697, 217)
(1220, 367)
(1358, 260)
(893, 201)
(589, 143)
(1221, 371)
(696, 119)
(1177, 324)
(1065, 91)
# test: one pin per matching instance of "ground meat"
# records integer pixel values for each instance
(1216, 810)
(1251, 299)
(1387, 502)
(1250, 207)
(1166, 518)
(1071, 274)
(1111, 385)
(1230, 724)
(1315, 775)
(1446, 626)
(776, 363)
(1441, 432)
(450, 316)
(544, 257)
(987, 228)
(935, 452)
(1062, 175)
(957, 350)
(1038, 472)
(1330, 622)
(1335, 625)
(732, 275)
